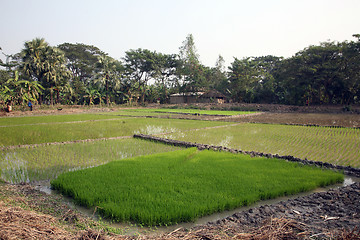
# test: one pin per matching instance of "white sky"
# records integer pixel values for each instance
(231, 28)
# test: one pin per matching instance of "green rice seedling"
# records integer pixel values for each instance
(169, 188)
(333, 145)
(69, 131)
(31, 120)
(46, 162)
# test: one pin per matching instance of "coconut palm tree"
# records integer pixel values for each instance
(109, 74)
(44, 64)
(33, 58)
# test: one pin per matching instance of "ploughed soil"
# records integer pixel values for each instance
(26, 213)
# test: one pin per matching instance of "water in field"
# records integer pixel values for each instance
(44, 186)
(339, 146)
(155, 129)
(47, 162)
(14, 168)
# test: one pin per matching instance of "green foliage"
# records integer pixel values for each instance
(192, 72)
(334, 145)
(16, 91)
(45, 64)
(252, 80)
(169, 188)
(82, 61)
(327, 73)
(109, 74)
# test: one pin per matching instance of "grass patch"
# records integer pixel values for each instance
(47, 162)
(169, 188)
(69, 131)
(334, 145)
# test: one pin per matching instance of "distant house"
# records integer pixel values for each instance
(211, 96)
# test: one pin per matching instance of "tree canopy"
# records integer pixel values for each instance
(328, 73)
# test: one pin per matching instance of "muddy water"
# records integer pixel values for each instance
(44, 186)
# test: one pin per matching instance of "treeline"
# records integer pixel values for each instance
(328, 73)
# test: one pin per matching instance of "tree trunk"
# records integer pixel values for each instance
(58, 96)
(107, 91)
(51, 98)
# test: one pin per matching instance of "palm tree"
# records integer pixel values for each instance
(55, 71)
(108, 74)
(33, 58)
(44, 64)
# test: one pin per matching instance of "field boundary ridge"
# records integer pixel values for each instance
(348, 170)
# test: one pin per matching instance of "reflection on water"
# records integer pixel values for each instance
(154, 129)
(226, 142)
(47, 162)
(348, 181)
(14, 169)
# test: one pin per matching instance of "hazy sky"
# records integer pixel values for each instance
(231, 28)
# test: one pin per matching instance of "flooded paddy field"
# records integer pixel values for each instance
(337, 214)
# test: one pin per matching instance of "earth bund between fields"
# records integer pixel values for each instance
(346, 169)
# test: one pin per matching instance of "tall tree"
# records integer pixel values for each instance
(192, 71)
(141, 67)
(81, 60)
(243, 80)
(45, 64)
(351, 71)
(165, 74)
(217, 76)
(109, 72)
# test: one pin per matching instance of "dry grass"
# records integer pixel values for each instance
(17, 223)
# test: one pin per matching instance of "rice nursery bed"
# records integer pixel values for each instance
(169, 188)
(47, 162)
(105, 128)
(339, 146)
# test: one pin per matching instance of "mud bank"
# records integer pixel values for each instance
(334, 214)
